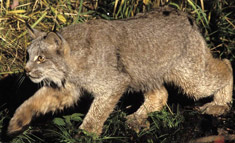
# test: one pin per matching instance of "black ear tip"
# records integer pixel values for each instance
(54, 28)
(26, 23)
(28, 26)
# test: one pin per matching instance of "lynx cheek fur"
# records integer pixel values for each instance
(107, 58)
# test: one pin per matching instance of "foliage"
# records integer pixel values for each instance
(67, 127)
(115, 129)
(26, 137)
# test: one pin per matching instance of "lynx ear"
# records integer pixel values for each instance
(62, 46)
(53, 38)
(33, 33)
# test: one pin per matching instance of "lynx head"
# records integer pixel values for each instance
(46, 61)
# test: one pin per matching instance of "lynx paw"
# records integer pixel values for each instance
(91, 128)
(213, 109)
(136, 122)
(18, 122)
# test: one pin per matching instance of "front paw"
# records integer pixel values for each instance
(91, 128)
(137, 122)
(214, 109)
(18, 122)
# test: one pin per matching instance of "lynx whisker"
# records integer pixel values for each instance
(20, 80)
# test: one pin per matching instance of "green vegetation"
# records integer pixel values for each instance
(215, 18)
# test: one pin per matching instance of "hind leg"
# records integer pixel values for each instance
(223, 96)
(198, 80)
(154, 101)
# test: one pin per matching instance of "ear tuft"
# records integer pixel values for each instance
(62, 46)
(33, 33)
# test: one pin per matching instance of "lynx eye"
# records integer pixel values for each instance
(40, 59)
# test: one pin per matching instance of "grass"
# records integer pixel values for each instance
(63, 129)
(216, 21)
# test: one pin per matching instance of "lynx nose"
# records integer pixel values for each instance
(27, 70)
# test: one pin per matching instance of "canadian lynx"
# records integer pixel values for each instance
(108, 58)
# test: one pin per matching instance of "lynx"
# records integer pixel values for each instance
(108, 58)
